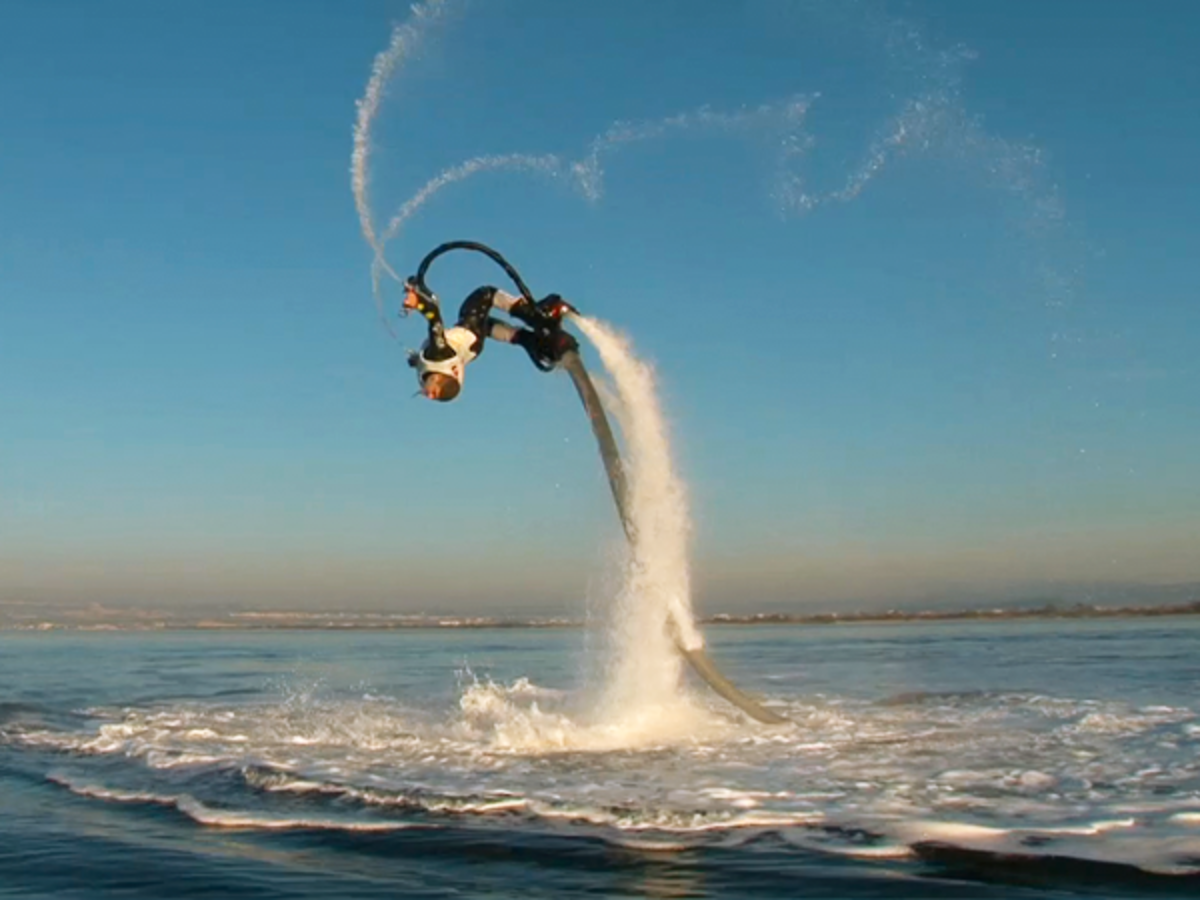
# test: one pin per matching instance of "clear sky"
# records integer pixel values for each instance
(919, 280)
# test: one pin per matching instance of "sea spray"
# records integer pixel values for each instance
(547, 164)
(406, 39)
(780, 121)
(775, 120)
(655, 599)
(932, 122)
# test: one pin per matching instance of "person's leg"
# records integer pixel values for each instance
(527, 340)
(503, 332)
(520, 308)
(473, 314)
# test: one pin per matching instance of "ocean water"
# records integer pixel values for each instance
(1031, 758)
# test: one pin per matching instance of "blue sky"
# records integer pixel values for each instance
(967, 370)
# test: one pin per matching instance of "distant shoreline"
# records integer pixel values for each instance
(1077, 611)
(103, 620)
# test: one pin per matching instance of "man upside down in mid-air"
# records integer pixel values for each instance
(441, 363)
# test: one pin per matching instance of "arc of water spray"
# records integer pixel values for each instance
(933, 121)
(586, 174)
(548, 164)
(406, 39)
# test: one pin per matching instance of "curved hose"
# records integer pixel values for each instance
(487, 251)
(610, 453)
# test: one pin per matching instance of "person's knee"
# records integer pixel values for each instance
(474, 310)
(481, 298)
(501, 331)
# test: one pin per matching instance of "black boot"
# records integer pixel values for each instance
(545, 348)
(530, 314)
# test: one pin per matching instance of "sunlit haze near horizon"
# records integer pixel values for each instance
(917, 280)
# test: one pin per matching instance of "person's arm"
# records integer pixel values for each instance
(437, 348)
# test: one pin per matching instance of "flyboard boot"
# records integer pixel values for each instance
(546, 342)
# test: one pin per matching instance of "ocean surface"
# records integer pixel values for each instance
(1036, 758)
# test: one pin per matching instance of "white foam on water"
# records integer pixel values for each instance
(206, 815)
(514, 721)
(220, 818)
(101, 792)
(999, 773)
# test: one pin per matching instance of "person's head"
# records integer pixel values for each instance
(438, 386)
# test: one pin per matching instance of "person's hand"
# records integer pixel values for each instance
(411, 299)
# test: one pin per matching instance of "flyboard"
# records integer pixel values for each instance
(610, 454)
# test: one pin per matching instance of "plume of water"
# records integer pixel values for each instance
(655, 598)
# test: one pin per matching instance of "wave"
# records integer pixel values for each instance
(989, 772)
(1015, 853)
(219, 818)
(18, 712)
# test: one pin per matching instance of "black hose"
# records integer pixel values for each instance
(610, 453)
(487, 251)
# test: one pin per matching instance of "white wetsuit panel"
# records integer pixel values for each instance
(460, 340)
